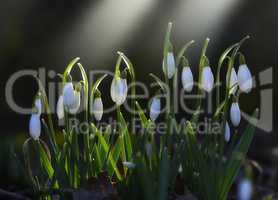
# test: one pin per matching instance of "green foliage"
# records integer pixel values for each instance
(209, 165)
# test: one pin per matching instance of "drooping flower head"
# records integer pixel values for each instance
(35, 126)
(68, 95)
(77, 99)
(169, 64)
(244, 76)
(155, 108)
(233, 85)
(235, 114)
(97, 106)
(118, 90)
(187, 76)
(245, 189)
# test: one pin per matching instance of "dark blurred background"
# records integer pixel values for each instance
(50, 33)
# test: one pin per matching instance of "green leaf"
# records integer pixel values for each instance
(45, 158)
(164, 176)
(239, 153)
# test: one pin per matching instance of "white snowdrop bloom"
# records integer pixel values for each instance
(171, 66)
(60, 107)
(235, 114)
(233, 81)
(227, 135)
(129, 165)
(187, 79)
(68, 95)
(38, 105)
(155, 108)
(244, 79)
(35, 126)
(118, 90)
(244, 190)
(77, 99)
(97, 108)
(207, 79)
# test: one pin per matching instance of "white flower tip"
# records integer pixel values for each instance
(97, 108)
(118, 90)
(227, 135)
(68, 95)
(245, 190)
(60, 108)
(171, 65)
(207, 79)
(35, 126)
(187, 79)
(129, 165)
(245, 81)
(235, 114)
(155, 108)
(38, 106)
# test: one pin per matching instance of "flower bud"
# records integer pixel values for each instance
(155, 108)
(235, 114)
(244, 189)
(227, 135)
(118, 90)
(233, 81)
(171, 66)
(38, 105)
(129, 165)
(97, 108)
(207, 79)
(187, 79)
(35, 126)
(60, 108)
(244, 78)
(68, 95)
(75, 107)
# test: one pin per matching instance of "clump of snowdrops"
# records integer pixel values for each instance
(145, 165)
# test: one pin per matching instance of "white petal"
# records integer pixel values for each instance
(245, 190)
(68, 95)
(60, 108)
(187, 79)
(171, 66)
(118, 90)
(207, 79)
(155, 108)
(35, 126)
(244, 79)
(75, 107)
(38, 105)
(233, 81)
(227, 135)
(129, 165)
(97, 108)
(235, 114)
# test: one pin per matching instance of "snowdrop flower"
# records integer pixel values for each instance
(38, 105)
(97, 108)
(207, 79)
(244, 78)
(244, 190)
(187, 79)
(118, 90)
(233, 81)
(235, 114)
(155, 108)
(60, 107)
(227, 135)
(69, 95)
(170, 65)
(35, 126)
(129, 165)
(75, 107)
